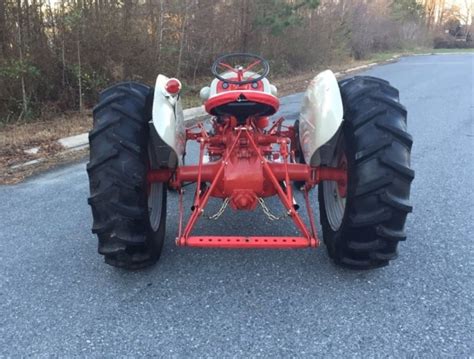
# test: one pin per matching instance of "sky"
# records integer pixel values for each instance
(466, 6)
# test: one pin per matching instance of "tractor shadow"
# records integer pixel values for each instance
(228, 264)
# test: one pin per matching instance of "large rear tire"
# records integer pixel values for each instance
(129, 216)
(362, 228)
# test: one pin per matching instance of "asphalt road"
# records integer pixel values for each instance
(57, 297)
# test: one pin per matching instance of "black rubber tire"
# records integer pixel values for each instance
(377, 148)
(117, 177)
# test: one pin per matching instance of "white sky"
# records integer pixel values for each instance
(466, 6)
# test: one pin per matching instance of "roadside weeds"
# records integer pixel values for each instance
(23, 146)
(11, 175)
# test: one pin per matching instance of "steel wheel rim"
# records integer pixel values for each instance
(155, 201)
(334, 204)
(155, 197)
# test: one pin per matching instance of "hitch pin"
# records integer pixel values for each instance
(296, 206)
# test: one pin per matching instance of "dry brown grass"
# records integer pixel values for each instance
(12, 176)
(298, 82)
(16, 138)
(36, 133)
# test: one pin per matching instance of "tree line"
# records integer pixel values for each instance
(55, 55)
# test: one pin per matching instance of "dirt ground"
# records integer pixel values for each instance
(39, 135)
(51, 160)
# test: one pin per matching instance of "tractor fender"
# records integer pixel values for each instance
(169, 135)
(321, 117)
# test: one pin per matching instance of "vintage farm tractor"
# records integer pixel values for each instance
(350, 141)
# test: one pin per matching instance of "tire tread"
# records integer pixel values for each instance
(117, 175)
(379, 184)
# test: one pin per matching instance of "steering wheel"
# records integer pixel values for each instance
(240, 64)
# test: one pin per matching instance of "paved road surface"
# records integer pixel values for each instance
(58, 297)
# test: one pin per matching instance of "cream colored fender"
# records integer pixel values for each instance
(321, 116)
(168, 121)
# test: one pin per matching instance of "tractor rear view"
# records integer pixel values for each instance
(350, 141)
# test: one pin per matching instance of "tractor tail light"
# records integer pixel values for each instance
(173, 86)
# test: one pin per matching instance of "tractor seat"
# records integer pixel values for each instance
(242, 104)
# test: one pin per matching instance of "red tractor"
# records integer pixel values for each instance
(350, 141)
